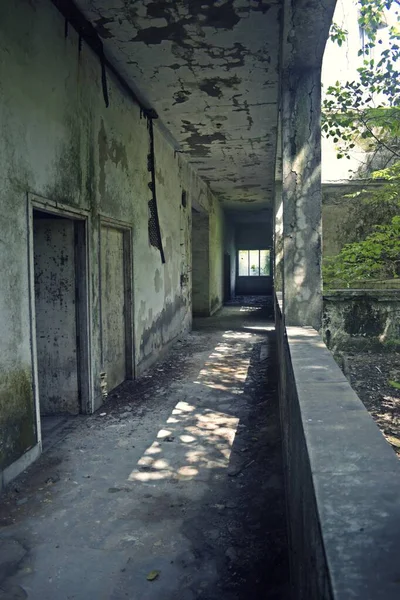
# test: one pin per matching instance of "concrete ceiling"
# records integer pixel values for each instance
(263, 215)
(210, 70)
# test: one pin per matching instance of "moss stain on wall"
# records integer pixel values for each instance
(61, 143)
(17, 422)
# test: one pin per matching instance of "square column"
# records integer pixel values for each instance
(301, 196)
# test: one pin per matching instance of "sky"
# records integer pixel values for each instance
(340, 64)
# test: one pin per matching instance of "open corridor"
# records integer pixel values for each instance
(173, 490)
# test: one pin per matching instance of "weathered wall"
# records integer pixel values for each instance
(336, 212)
(55, 302)
(60, 142)
(301, 195)
(342, 478)
(254, 236)
(216, 254)
(345, 217)
(361, 319)
(308, 566)
(230, 251)
(207, 254)
(373, 284)
(200, 264)
(300, 123)
(278, 238)
(112, 295)
(248, 286)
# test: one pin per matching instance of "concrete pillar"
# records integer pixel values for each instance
(301, 195)
(200, 264)
(278, 238)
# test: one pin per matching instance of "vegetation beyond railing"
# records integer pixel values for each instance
(362, 284)
(342, 478)
(365, 113)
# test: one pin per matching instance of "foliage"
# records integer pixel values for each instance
(337, 34)
(375, 227)
(376, 257)
(372, 205)
(366, 111)
(372, 15)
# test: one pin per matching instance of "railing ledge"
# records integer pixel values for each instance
(342, 478)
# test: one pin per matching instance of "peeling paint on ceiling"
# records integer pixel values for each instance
(210, 69)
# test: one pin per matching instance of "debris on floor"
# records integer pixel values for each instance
(173, 491)
(372, 376)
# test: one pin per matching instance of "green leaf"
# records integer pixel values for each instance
(394, 384)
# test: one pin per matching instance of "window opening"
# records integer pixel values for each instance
(254, 263)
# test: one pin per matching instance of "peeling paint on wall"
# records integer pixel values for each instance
(196, 58)
(17, 422)
(61, 143)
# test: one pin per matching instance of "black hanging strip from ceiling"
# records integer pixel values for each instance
(88, 34)
(154, 223)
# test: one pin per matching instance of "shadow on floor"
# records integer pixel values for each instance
(55, 428)
(177, 479)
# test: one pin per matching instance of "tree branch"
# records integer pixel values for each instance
(382, 143)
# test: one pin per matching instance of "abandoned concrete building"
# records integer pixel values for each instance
(159, 159)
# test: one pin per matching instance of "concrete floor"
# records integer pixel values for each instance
(178, 479)
(54, 428)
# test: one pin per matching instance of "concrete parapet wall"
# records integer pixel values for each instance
(342, 478)
(361, 319)
(367, 284)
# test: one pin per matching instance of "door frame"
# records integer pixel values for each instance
(81, 220)
(227, 278)
(127, 231)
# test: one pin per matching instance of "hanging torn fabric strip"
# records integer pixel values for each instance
(154, 223)
(104, 79)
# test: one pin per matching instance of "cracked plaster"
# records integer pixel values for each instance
(210, 69)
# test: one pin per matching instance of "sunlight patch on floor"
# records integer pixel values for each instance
(193, 441)
(260, 327)
(226, 368)
(237, 335)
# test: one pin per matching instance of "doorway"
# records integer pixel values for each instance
(116, 304)
(59, 269)
(227, 277)
(200, 264)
